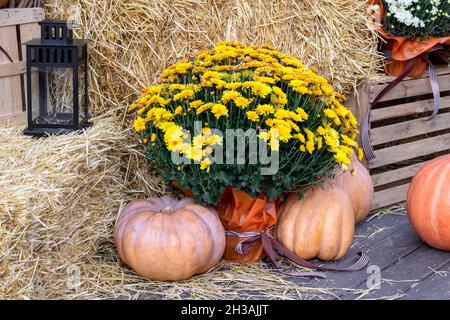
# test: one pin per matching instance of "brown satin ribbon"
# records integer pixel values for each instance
(272, 248)
(432, 72)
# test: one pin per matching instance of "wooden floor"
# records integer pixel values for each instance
(409, 269)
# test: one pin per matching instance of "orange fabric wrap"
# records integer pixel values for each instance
(240, 213)
(406, 49)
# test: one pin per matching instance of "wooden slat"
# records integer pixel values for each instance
(10, 17)
(389, 196)
(27, 32)
(396, 175)
(12, 69)
(409, 128)
(17, 118)
(10, 87)
(410, 150)
(410, 88)
(407, 109)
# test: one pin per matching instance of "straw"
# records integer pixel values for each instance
(132, 41)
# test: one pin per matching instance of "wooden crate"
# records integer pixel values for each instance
(16, 27)
(402, 138)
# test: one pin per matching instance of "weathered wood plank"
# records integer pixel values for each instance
(410, 150)
(396, 175)
(410, 88)
(10, 17)
(409, 129)
(12, 69)
(383, 253)
(10, 87)
(435, 287)
(405, 273)
(16, 118)
(389, 196)
(407, 109)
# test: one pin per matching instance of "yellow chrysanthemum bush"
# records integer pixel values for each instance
(291, 110)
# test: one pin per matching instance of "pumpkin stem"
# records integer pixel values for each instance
(166, 209)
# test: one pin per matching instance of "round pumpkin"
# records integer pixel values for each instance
(359, 186)
(169, 239)
(428, 202)
(319, 225)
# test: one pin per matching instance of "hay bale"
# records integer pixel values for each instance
(59, 198)
(134, 40)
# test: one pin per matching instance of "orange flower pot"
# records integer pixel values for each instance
(240, 212)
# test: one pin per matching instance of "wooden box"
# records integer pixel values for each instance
(400, 134)
(16, 27)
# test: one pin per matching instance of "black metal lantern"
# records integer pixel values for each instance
(57, 82)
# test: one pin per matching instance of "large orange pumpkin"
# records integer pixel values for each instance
(428, 202)
(359, 186)
(169, 239)
(319, 225)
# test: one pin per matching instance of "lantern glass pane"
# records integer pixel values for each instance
(52, 89)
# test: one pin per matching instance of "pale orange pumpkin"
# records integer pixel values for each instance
(428, 202)
(359, 186)
(319, 225)
(169, 239)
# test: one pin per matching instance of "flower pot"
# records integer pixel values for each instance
(240, 213)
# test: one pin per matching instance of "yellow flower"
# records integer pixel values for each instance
(302, 148)
(265, 109)
(213, 139)
(258, 88)
(212, 75)
(252, 116)
(139, 124)
(184, 95)
(205, 164)
(197, 141)
(310, 146)
(196, 103)
(230, 95)
(320, 130)
(204, 107)
(348, 141)
(153, 137)
(173, 136)
(342, 158)
(193, 153)
(178, 110)
(360, 154)
(242, 102)
(301, 112)
(264, 79)
(299, 137)
(219, 110)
